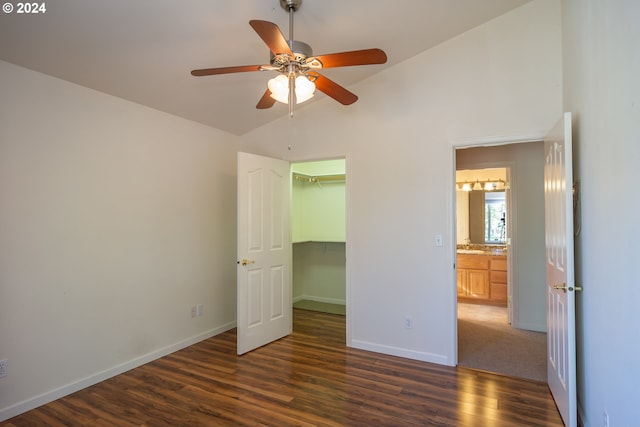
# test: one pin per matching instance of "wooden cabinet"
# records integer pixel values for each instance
(473, 277)
(473, 284)
(498, 268)
(482, 278)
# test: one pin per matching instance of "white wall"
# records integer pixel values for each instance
(601, 46)
(318, 211)
(115, 219)
(500, 80)
(319, 272)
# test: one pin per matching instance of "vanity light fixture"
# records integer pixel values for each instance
(492, 185)
(464, 186)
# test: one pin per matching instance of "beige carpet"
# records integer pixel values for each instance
(320, 306)
(486, 341)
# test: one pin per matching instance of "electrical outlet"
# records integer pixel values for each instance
(408, 322)
(4, 368)
(194, 311)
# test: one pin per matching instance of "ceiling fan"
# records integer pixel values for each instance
(297, 65)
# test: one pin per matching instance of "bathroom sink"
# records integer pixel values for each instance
(470, 251)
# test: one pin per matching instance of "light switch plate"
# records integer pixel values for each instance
(438, 240)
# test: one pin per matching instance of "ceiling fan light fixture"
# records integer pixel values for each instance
(304, 89)
(279, 88)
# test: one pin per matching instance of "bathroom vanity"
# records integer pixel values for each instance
(482, 277)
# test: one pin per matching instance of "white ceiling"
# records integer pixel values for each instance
(143, 50)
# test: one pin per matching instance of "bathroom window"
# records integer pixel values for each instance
(495, 218)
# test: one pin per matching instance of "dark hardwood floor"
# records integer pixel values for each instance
(307, 379)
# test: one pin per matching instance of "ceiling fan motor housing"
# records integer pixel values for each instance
(290, 4)
(301, 51)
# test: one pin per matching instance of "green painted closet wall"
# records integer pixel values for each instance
(318, 233)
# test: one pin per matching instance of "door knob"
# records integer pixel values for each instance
(563, 287)
(247, 261)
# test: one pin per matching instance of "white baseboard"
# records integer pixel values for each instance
(402, 352)
(49, 396)
(535, 327)
(320, 299)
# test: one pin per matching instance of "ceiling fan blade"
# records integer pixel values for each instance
(266, 101)
(225, 70)
(355, 57)
(333, 89)
(272, 36)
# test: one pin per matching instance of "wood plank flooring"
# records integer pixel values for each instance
(307, 379)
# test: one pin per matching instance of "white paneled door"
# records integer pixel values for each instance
(561, 288)
(264, 251)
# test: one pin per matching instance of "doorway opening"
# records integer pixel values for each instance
(318, 216)
(500, 259)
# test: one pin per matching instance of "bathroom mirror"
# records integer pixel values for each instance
(481, 214)
(487, 217)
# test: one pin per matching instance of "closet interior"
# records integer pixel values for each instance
(319, 235)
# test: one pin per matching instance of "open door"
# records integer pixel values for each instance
(558, 199)
(264, 251)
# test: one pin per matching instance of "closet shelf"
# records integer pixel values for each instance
(319, 178)
(318, 241)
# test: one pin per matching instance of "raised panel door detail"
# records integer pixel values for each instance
(255, 211)
(478, 283)
(277, 292)
(462, 282)
(255, 294)
(555, 190)
(276, 215)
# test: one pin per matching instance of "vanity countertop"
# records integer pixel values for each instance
(481, 250)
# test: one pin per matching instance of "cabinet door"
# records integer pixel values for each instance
(499, 293)
(462, 282)
(478, 284)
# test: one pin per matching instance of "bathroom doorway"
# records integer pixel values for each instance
(501, 332)
(319, 235)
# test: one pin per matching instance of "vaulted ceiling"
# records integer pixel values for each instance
(143, 50)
